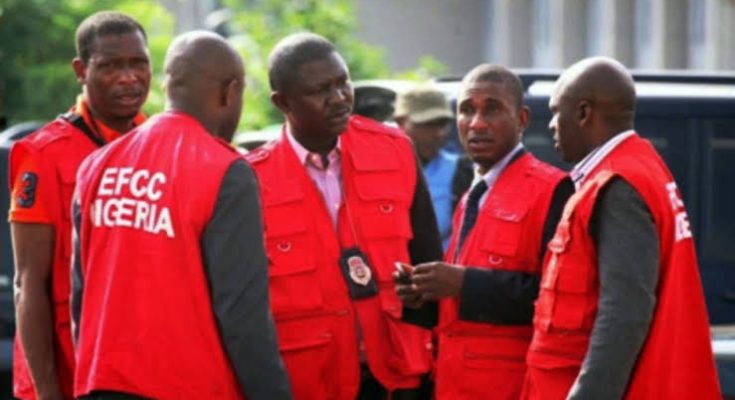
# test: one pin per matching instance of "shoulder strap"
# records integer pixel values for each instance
(78, 122)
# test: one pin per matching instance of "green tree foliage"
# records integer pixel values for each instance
(37, 46)
(257, 26)
(36, 50)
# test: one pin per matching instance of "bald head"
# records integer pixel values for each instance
(593, 101)
(205, 78)
(605, 82)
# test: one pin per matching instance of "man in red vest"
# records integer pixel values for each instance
(112, 65)
(490, 277)
(343, 200)
(620, 312)
(169, 288)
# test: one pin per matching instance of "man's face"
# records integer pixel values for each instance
(427, 137)
(567, 134)
(117, 76)
(320, 99)
(488, 121)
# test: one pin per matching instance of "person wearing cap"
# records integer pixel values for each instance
(489, 280)
(424, 114)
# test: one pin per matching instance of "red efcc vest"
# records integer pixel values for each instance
(59, 148)
(676, 360)
(315, 317)
(147, 325)
(483, 360)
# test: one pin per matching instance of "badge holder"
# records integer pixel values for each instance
(357, 273)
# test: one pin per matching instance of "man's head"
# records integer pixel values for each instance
(205, 78)
(113, 66)
(424, 114)
(311, 86)
(491, 116)
(592, 101)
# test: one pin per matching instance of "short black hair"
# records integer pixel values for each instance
(499, 74)
(103, 23)
(293, 51)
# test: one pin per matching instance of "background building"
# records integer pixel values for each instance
(669, 34)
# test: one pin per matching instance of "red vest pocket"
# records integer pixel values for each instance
(306, 355)
(293, 279)
(505, 225)
(410, 344)
(385, 219)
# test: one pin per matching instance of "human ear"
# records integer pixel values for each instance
(524, 114)
(584, 112)
(280, 100)
(80, 70)
(231, 93)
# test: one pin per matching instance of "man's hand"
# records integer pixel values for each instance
(435, 280)
(405, 291)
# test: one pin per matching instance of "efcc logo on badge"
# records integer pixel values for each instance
(129, 198)
(681, 220)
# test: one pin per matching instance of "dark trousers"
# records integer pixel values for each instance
(371, 389)
(109, 395)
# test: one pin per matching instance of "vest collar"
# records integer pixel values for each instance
(595, 157)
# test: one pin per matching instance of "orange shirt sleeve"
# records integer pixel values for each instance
(27, 202)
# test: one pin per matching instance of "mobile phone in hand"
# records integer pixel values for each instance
(404, 272)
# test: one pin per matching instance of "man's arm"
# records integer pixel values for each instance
(424, 247)
(33, 249)
(627, 255)
(77, 279)
(507, 297)
(237, 270)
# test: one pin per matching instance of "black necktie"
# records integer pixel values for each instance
(470, 212)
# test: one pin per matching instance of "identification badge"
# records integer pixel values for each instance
(357, 273)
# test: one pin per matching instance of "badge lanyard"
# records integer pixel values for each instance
(354, 263)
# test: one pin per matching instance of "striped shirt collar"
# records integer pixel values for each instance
(593, 159)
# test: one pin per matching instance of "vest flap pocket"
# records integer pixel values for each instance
(293, 276)
(306, 351)
(289, 254)
(510, 212)
(289, 191)
(371, 187)
(495, 353)
(573, 279)
(378, 156)
(303, 343)
(283, 220)
(410, 346)
(294, 289)
(383, 219)
(390, 302)
(284, 268)
(504, 229)
(568, 313)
